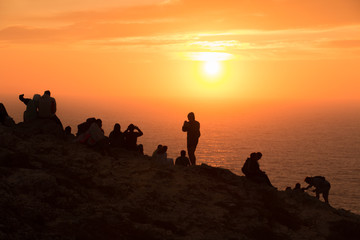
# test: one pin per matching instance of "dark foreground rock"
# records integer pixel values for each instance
(53, 189)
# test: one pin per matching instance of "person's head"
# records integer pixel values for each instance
(191, 116)
(68, 130)
(117, 127)
(131, 127)
(253, 156)
(258, 155)
(47, 92)
(183, 153)
(98, 122)
(164, 148)
(36, 97)
(308, 180)
(297, 186)
(159, 147)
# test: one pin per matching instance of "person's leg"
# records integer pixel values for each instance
(317, 193)
(191, 153)
(191, 146)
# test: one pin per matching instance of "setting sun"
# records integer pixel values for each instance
(212, 67)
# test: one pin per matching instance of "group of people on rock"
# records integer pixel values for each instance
(43, 107)
(251, 169)
(160, 156)
(91, 133)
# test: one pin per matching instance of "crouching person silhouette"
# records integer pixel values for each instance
(321, 186)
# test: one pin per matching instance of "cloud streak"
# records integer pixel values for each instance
(246, 28)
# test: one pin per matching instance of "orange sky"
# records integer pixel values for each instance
(145, 51)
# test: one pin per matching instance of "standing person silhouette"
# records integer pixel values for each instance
(192, 128)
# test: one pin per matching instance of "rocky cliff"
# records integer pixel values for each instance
(56, 189)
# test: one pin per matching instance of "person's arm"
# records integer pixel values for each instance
(140, 133)
(185, 126)
(24, 100)
(310, 185)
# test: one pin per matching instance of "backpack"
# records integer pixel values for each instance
(321, 177)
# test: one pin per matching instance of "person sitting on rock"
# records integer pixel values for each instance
(154, 155)
(31, 112)
(162, 157)
(298, 188)
(182, 160)
(68, 136)
(131, 137)
(83, 127)
(116, 137)
(5, 119)
(321, 186)
(47, 108)
(251, 169)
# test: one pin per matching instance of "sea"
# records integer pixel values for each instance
(295, 141)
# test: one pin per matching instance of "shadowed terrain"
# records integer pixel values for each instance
(55, 189)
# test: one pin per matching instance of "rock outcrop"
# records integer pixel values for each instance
(56, 189)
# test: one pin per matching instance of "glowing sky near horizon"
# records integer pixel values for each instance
(155, 50)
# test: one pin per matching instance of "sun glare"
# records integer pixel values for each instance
(212, 67)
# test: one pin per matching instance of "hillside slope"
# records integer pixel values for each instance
(54, 189)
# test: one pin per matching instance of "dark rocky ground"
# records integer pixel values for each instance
(56, 189)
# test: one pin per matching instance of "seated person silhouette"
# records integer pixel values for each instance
(116, 137)
(252, 171)
(321, 186)
(83, 127)
(182, 160)
(31, 112)
(154, 155)
(47, 108)
(5, 119)
(162, 157)
(131, 137)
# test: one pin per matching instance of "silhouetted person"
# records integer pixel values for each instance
(154, 155)
(131, 137)
(321, 186)
(182, 160)
(298, 187)
(5, 119)
(3, 113)
(192, 128)
(83, 127)
(116, 137)
(68, 135)
(47, 108)
(251, 169)
(31, 112)
(162, 157)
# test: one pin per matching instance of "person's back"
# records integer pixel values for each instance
(96, 133)
(322, 186)
(182, 160)
(154, 155)
(116, 137)
(47, 106)
(31, 112)
(131, 137)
